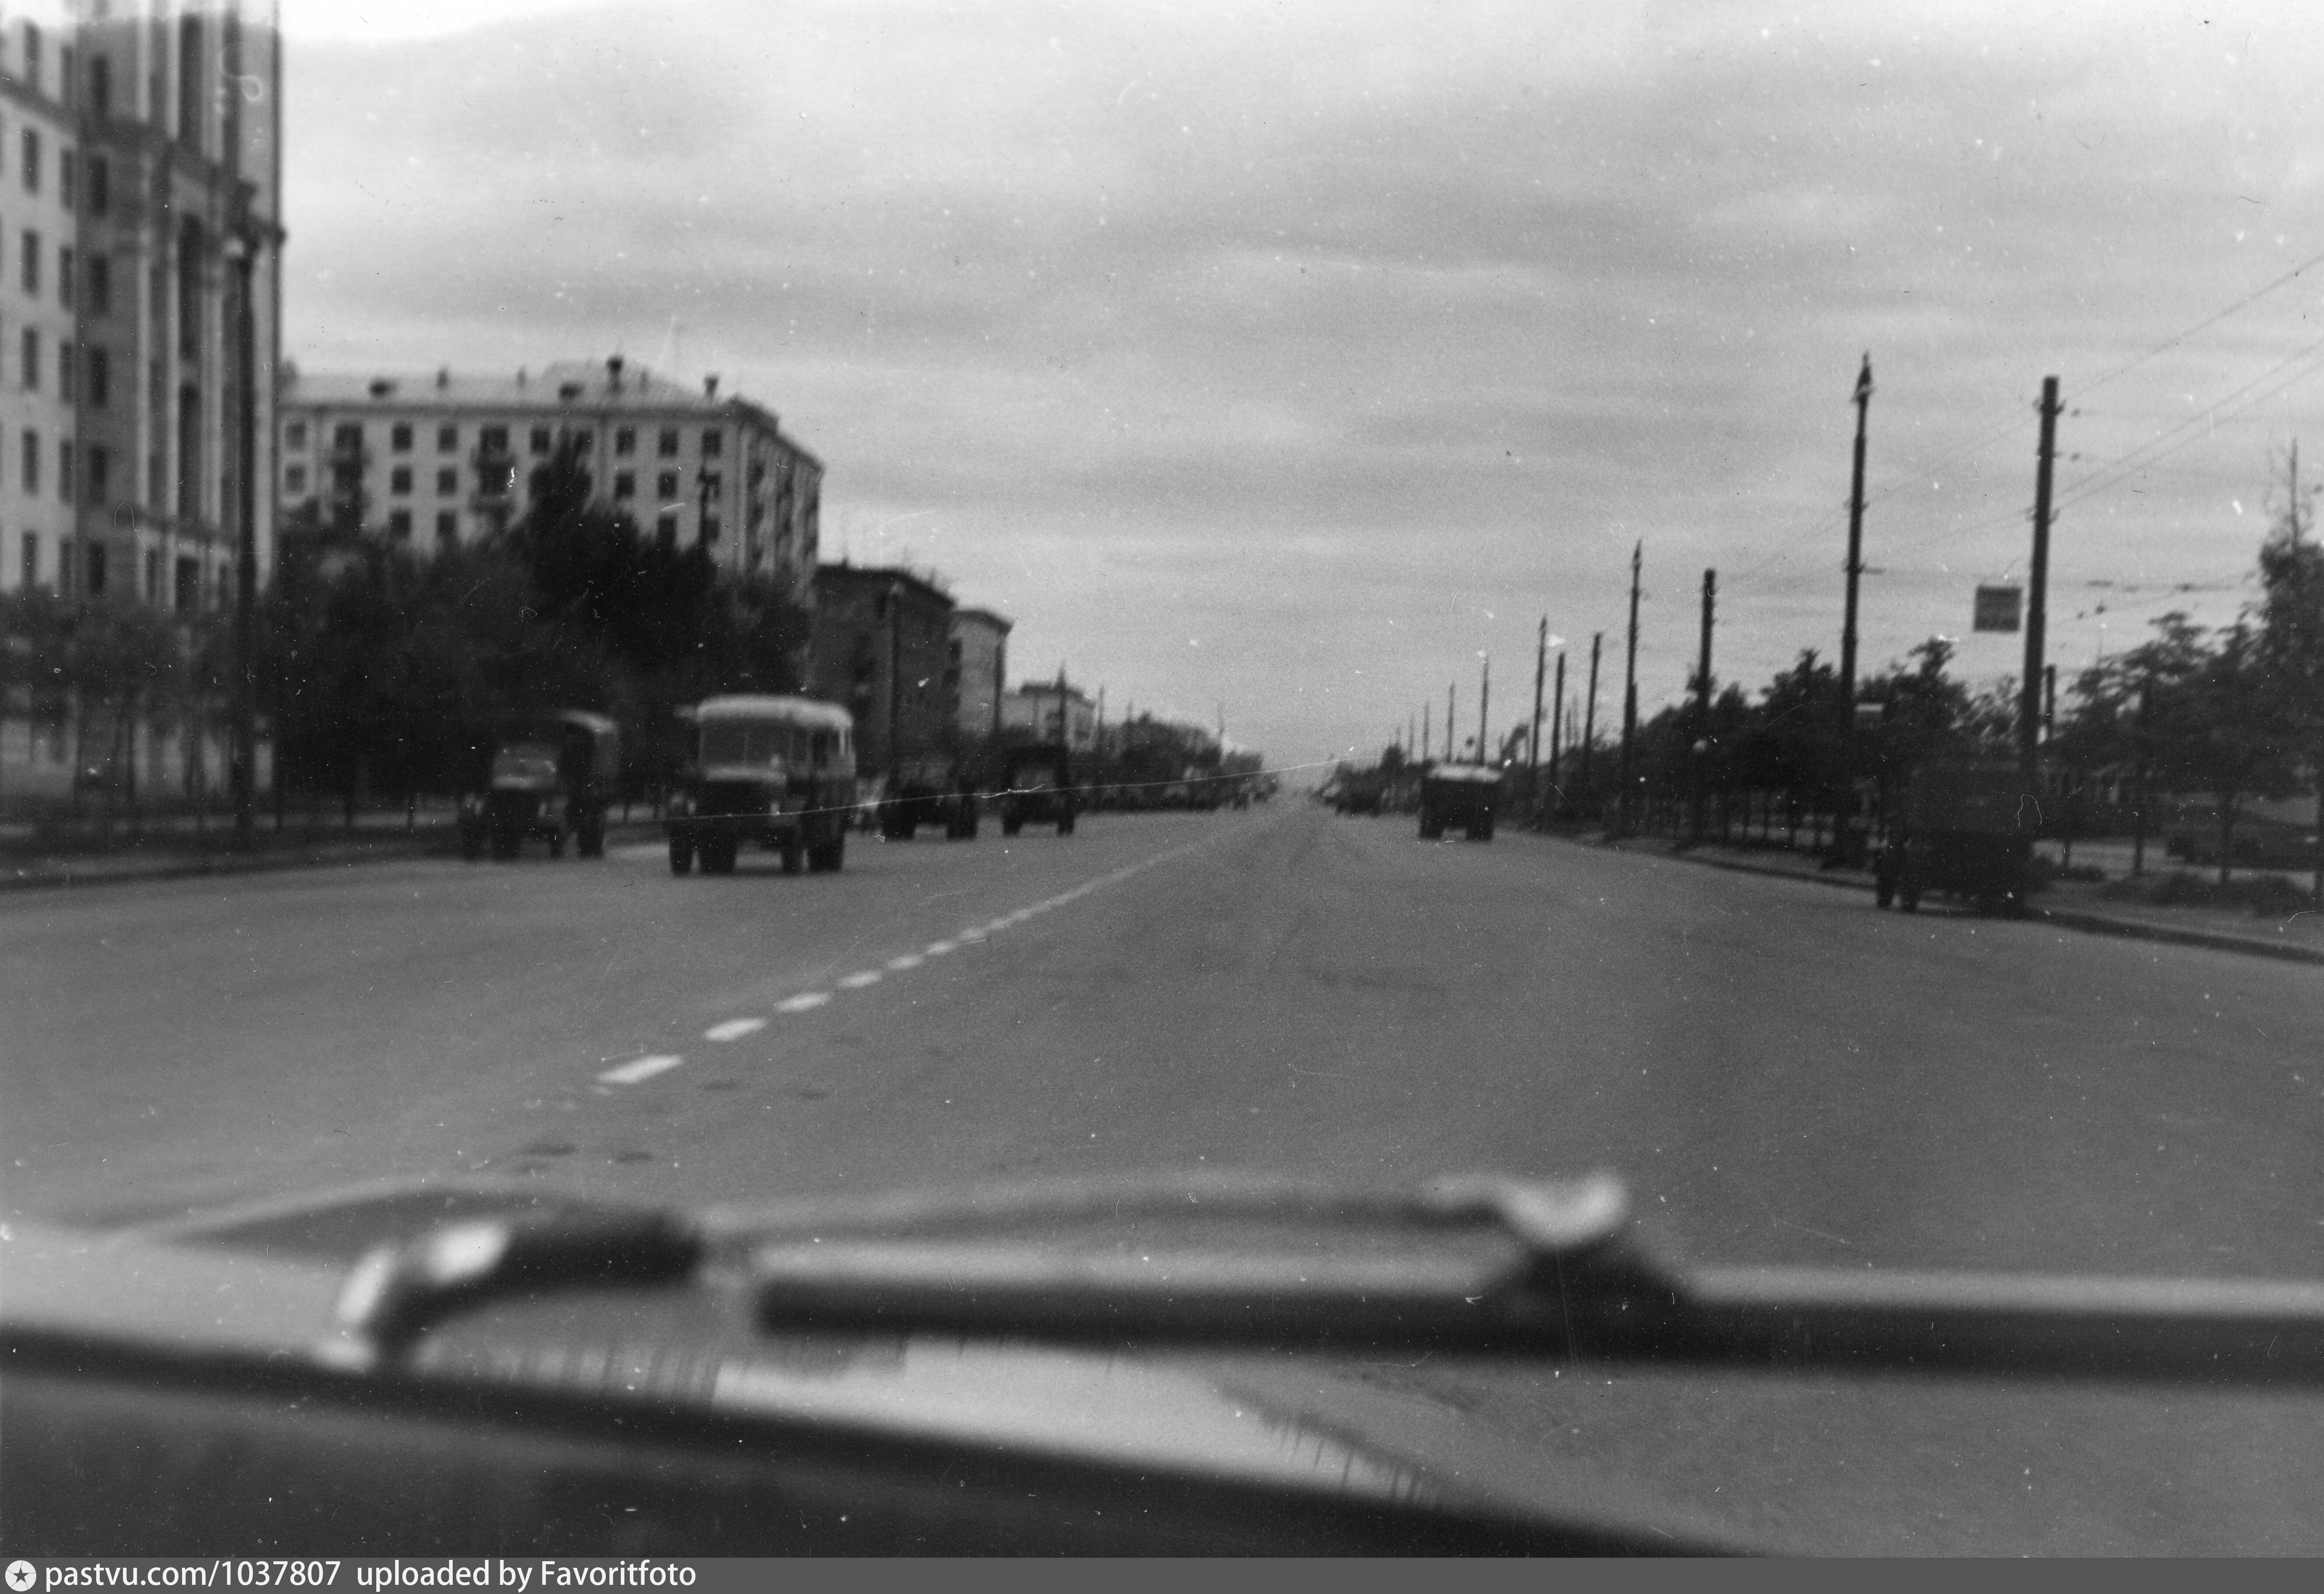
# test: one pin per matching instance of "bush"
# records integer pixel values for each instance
(2265, 896)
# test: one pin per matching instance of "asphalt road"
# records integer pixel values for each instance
(1781, 1073)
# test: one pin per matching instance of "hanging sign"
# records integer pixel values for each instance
(1999, 608)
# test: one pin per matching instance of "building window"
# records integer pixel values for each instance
(100, 473)
(447, 483)
(668, 444)
(347, 435)
(33, 56)
(29, 362)
(582, 440)
(447, 439)
(625, 483)
(100, 376)
(294, 436)
(492, 439)
(65, 276)
(714, 485)
(398, 524)
(64, 567)
(98, 269)
(712, 443)
(666, 528)
(399, 436)
(190, 585)
(97, 573)
(31, 159)
(399, 480)
(100, 91)
(711, 528)
(294, 480)
(626, 440)
(541, 440)
(68, 373)
(28, 245)
(31, 561)
(68, 179)
(65, 469)
(665, 486)
(153, 575)
(448, 527)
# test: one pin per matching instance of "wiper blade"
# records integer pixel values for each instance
(1479, 1264)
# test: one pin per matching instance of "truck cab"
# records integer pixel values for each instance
(551, 778)
(1465, 794)
(768, 770)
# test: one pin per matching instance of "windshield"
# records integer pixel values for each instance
(1835, 485)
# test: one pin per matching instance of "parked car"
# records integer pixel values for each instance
(1964, 828)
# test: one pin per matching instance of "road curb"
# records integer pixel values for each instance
(344, 854)
(2064, 918)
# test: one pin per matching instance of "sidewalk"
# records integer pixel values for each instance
(2074, 905)
(180, 857)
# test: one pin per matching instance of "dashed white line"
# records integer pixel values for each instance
(911, 960)
(805, 1001)
(857, 981)
(643, 1069)
(938, 948)
(734, 1029)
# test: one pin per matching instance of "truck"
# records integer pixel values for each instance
(549, 777)
(931, 791)
(1464, 795)
(1035, 786)
(768, 770)
(1964, 828)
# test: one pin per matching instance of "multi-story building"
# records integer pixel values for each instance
(883, 650)
(1046, 711)
(443, 458)
(980, 663)
(141, 162)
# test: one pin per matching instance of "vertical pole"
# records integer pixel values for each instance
(1452, 745)
(2138, 774)
(1484, 703)
(1557, 720)
(1630, 685)
(1700, 753)
(1540, 673)
(245, 559)
(1843, 835)
(2029, 704)
(1427, 731)
(1589, 716)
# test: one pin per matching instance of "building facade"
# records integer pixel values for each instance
(883, 650)
(140, 162)
(980, 662)
(1047, 710)
(442, 459)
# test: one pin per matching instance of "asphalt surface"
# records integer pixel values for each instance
(1780, 1072)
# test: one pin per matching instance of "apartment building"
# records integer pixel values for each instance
(980, 663)
(442, 458)
(883, 650)
(1051, 711)
(140, 162)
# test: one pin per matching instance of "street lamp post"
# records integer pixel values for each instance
(242, 245)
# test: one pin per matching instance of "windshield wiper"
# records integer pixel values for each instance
(1477, 1265)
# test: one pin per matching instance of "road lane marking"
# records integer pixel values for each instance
(640, 1071)
(911, 960)
(734, 1029)
(938, 948)
(804, 1001)
(857, 981)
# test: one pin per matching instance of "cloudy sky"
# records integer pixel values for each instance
(1284, 358)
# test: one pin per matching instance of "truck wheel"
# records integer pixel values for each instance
(1065, 825)
(794, 853)
(591, 838)
(1884, 891)
(1011, 827)
(556, 844)
(681, 854)
(1908, 897)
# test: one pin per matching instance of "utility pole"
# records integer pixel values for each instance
(1558, 722)
(1590, 715)
(2029, 703)
(1843, 834)
(1540, 670)
(1426, 709)
(1484, 703)
(1701, 750)
(1451, 743)
(1630, 685)
(242, 253)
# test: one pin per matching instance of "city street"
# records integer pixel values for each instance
(1780, 1072)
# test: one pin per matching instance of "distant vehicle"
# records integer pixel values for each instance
(1037, 787)
(1464, 795)
(550, 776)
(1964, 828)
(929, 791)
(776, 772)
